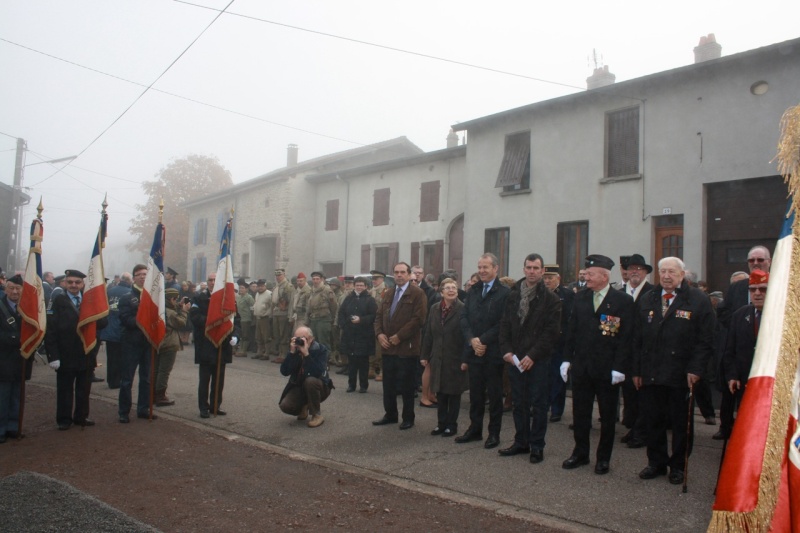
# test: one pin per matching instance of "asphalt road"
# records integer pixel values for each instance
(576, 500)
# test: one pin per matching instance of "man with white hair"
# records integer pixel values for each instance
(672, 346)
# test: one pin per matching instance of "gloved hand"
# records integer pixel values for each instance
(617, 377)
(565, 370)
(55, 365)
(234, 341)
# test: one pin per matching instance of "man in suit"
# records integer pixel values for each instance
(529, 330)
(558, 389)
(597, 354)
(580, 283)
(673, 343)
(11, 360)
(480, 324)
(398, 327)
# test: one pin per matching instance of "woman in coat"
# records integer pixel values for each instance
(441, 351)
(356, 319)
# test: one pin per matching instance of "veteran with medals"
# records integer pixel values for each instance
(597, 354)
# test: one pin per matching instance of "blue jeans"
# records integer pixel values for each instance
(531, 390)
(9, 406)
(133, 355)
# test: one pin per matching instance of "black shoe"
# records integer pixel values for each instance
(448, 432)
(710, 421)
(652, 472)
(637, 443)
(65, 426)
(362, 391)
(350, 389)
(87, 422)
(220, 412)
(514, 449)
(124, 419)
(721, 435)
(205, 414)
(429, 405)
(14, 435)
(571, 426)
(95, 379)
(438, 430)
(407, 425)
(537, 456)
(491, 442)
(601, 467)
(574, 462)
(555, 418)
(625, 438)
(469, 436)
(384, 421)
(146, 415)
(676, 476)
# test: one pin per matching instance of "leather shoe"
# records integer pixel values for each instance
(574, 462)
(146, 415)
(469, 436)
(205, 414)
(537, 456)
(636, 443)
(601, 467)
(627, 437)
(514, 449)
(407, 425)
(438, 430)
(448, 432)
(555, 418)
(676, 476)
(383, 421)
(124, 419)
(95, 379)
(720, 435)
(87, 422)
(362, 391)
(350, 389)
(652, 472)
(491, 442)
(64, 427)
(220, 412)
(710, 421)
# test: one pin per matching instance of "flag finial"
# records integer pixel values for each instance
(39, 209)
(161, 211)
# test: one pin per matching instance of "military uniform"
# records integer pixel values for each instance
(376, 360)
(321, 312)
(281, 311)
(300, 306)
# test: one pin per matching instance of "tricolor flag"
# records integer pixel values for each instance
(222, 307)
(31, 303)
(94, 304)
(152, 313)
(759, 485)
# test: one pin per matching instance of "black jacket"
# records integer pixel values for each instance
(538, 335)
(204, 350)
(480, 318)
(590, 352)
(62, 340)
(299, 368)
(128, 306)
(358, 340)
(11, 359)
(567, 298)
(741, 346)
(667, 348)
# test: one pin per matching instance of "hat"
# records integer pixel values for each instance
(301, 276)
(171, 271)
(171, 293)
(318, 274)
(241, 281)
(637, 260)
(377, 274)
(716, 294)
(59, 279)
(758, 277)
(335, 281)
(280, 271)
(261, 282)
(15, 279)
(349, 279)
(624, 261)
(597, 260)
(74, 274)
(552, 269)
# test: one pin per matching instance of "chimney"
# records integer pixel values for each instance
(452, 139)
(600, 78)
(291, 155)
(707, 49)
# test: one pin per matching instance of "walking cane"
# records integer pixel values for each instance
(688, 437)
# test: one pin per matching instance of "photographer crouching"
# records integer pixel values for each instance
(309, 384)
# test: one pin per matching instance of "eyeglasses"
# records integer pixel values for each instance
(756, 260)
(762, 290)
(73, 282)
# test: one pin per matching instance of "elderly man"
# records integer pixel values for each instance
(558, 389)
(673, 344)
(11, 360)
(597, 354)
(398, 327)
(309, 385)
(529, 330)
(281, 312)
(480, 324)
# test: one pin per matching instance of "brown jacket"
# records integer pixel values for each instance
(407, 322)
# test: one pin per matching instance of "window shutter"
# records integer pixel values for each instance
(429, 201)
(365, 257)
(380, 207)
(332, 215)
(515, 159)
(394, 253)
(414, 253)
(438, 257)
(622, 142)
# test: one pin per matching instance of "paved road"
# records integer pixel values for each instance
(575, 500)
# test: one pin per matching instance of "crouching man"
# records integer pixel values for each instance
(309, 385)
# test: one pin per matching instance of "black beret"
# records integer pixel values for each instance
(597, 260)
(74, 274)
(318, 274)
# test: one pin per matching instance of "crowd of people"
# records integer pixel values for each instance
(513, 344)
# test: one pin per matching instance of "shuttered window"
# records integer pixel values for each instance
(365, 257)
(622, 142)
(496, 241)
(515, 170)
(429, 201)
(200, 228)
(380, 207)
(332, 215)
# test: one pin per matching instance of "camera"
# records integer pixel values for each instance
(185, 300)
(299, 341)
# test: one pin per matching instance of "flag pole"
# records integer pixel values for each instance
(153, 348)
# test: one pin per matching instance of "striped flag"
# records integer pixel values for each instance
(152, 313)
(94, 304)
(222, 306)
(759, 486)
(31, 304)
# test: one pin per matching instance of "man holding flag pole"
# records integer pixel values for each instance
(212, 315)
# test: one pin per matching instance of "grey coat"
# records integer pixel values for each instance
(442, 348)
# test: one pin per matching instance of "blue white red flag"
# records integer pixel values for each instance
(222, 306)
(152, 313)
(94, 304)
(31, 304)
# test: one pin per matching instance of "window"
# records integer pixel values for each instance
(332, 215)
(386, 257)
(365, 257)
(380, 207)
(433, 258)
(622, 142)
(200, 230)
(515, 170)
(496, 242)
(429, 201)
(199, 269)
(244, 267)
(572, 247)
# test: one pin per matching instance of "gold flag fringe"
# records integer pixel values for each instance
(760, 518)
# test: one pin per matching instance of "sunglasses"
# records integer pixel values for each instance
(756, 260)
(762, 290)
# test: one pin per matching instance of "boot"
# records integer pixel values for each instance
(161, 399)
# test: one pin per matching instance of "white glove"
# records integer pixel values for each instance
(55, 365)
(234, 341)
(617, 377)
(564, 370)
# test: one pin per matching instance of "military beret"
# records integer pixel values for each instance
(171, 271)
(377, 274)
(74, 274)
(597, 260)
(16, 279)
(261, 282)
(318, 274)
(758, 277)
(335, 281)
(59, 279)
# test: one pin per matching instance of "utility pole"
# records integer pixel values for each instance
(12, 262)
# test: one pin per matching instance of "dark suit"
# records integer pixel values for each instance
(737, 359)
(11, 366)
(736, 297)
(593, 356)
(558, 389)
(631, 417)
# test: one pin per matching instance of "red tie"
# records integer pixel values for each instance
(667, 297)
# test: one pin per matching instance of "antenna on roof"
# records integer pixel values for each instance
(595, 61)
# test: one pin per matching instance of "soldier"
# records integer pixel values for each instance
(338, 327)
(262, 313)
(377, 290)
(558, 389)
(244, 306)
(171, 279)
(300, 302)
(281, 311)
(321, 309)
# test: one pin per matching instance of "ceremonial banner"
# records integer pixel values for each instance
(222, 307)
(152, 313)
(31, 304)
(94, 304)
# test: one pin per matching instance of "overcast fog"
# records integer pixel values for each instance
(327, 76)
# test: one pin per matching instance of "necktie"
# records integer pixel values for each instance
(665, 305)
(598, 299)
(757, 323)
(77, 301)
(485, 289)
(397, 294)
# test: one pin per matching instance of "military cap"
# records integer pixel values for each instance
(335, 281)
(280, 271)
(349, 279)
(171, 271)
(377, 274)
(241, 281)
(552, 269)
(261, 282)
(59, 279)
(74, 274)
(597, 260)
(638, 260)
(16, 279)
(171, 293)
(301, 276)
(318, 274)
